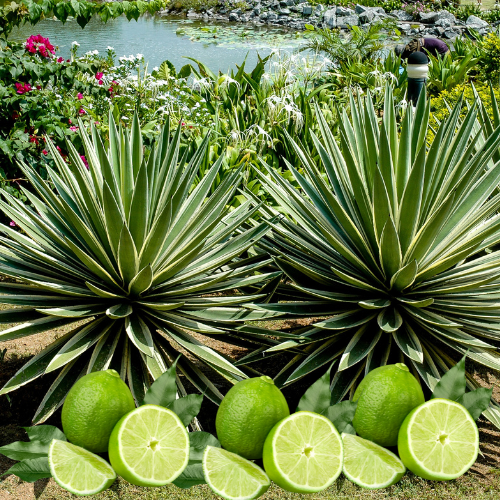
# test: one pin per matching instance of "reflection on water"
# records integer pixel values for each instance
(156, 38)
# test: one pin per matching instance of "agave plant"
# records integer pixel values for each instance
(391, 240)
(135, 260)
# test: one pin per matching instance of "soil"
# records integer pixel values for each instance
(19, 411)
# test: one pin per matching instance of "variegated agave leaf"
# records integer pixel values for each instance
(394, 240)
(124, 250)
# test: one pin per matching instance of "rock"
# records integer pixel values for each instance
(330, 18)
(192, 14)
(275, 5)
(445, 15)
(359, 9)
(263, 16)
(343, 11)
(366, 17)
(402, 15)
(272, 17)
(307, 10)
(405, 27)
(257, 11)
(450, 34)
(475, 22)
(346, 21)
(444, 23)
(234, 17)
(428, 17)
(284, 12)
(319, 10)
(205, 18)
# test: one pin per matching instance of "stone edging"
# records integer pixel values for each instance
(295, 14)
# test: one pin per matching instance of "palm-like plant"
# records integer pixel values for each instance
(390, 241)
(127, 249)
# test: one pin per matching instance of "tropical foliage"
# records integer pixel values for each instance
(136, 261)
(394, 245)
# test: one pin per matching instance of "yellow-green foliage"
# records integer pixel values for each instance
(490, 60)
(439, 109)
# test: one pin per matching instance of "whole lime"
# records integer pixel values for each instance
(92, 408)
(246, 415)
(385, 396)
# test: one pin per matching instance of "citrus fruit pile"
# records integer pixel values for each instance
(302, 452)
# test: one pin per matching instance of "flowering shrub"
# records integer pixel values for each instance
(415, 8)
(490, 60)
(39, 44)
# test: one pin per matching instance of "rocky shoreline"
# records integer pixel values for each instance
(296, 14)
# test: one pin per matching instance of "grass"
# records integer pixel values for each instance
(410, 488)
(485, 4)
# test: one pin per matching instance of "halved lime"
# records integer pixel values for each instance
(149, 446)
(233, 477)
(439, 440)
(369, 465)
(78, 470)
(303, 453)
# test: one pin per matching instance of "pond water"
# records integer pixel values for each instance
(219, 46)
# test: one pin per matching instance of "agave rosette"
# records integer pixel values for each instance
(136, 260)
(391, 239)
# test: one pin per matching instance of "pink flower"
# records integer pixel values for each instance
(96, 123)
(38, 43)
(58, 149)
(22, 88)
(183, 124)
(69, 121)
(98, 76)
(85, 162)
(73, 129)
(12, 224)
(81, 111)
(80, 96)
(60, 59)
(45, 152)
(100, 82)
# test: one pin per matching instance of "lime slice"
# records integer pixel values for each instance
(233, 477)
(439, 440)
(77, 470)
(303, 453)
(149, 446)
(369, 465)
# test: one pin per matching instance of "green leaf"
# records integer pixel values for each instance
(341, 416)
(187, 407)
(119, 311)
(140, 334)
(31, 470)
(21, 450)
(163, 390)
(198, 441)
(476, 401)
(317, 397)
(452, 383)
(192, 475)
(128, 261)
(44, 433)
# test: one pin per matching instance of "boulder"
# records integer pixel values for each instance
(428, 17)
(366, 17)
(272, 17)
(450, 34)
(318, 11)
(284, 12)
(475, 22)
(444, 23)
(402, 15)
(448, 16)
(257, 11)
(346, 21)
(307, 10)
(343, 11)
(330, 18)
(234, 17)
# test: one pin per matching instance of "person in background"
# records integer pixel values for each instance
(430, 46)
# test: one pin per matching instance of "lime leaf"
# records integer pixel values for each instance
(44, 433)
(341, 416)
(163, 391)
(476, 401)
(452, 383)
(198, 441)
(31, 470)
(21, 450)
(191, 476)
(187, 407)
(317, 397)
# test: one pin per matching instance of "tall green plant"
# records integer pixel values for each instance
(134, 261)
(392, 247)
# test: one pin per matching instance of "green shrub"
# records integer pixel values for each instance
(197, 5)
(490, 60)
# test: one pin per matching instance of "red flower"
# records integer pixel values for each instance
(58, 149)
(100, 82)
(98, 76)
(79, 96)
(45, 152)
(22, 88)
(34, 139)
(39, 87)
(60, 59)
(38, 43)
(85, 162)
(81, 111)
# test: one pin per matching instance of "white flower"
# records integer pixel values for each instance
(109, 48)
(75, 44)
(155, 68)
(139, 56)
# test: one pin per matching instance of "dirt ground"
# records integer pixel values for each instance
(482, 481)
